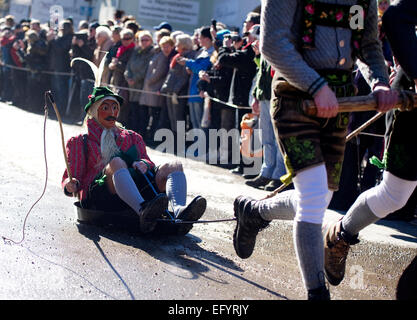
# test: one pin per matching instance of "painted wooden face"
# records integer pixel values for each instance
(108, 113)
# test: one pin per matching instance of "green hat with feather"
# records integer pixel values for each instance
(99, 93)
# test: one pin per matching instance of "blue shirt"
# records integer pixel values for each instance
(201, 62)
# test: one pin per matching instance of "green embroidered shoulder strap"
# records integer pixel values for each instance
(332, 15)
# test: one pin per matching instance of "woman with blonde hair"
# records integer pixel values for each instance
(135, 76)
(155, 76)
(177, 81)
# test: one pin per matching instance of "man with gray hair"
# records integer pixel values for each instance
(104, 43)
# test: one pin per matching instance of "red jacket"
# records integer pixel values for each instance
(85, 171)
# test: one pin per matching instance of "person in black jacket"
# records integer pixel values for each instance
(216, 82)
(81, 82)
(242, 61)
(37, 61)
(117, 43)
(400, 159)
(59, 61)
(244, 71)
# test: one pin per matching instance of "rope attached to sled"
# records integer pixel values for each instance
(179, 221)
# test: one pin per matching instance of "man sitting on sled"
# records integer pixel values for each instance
(108, 161)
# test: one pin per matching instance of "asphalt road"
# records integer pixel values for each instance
(61, 259)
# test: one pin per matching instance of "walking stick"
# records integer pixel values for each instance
(52, 100)
(407, 101)
(354, 133)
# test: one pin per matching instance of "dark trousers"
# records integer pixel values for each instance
(60, 90)
(138, 118)
(7, 92)
(19, 85)
(176, 112)
(354, 179)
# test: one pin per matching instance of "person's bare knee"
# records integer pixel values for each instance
(114, 165)
(164, 171)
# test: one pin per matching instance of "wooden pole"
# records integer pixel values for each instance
(354, 133)
(406, 101)
(51, 98)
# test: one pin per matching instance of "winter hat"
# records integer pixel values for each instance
(99, 94)
(221, 34)
(163, 25)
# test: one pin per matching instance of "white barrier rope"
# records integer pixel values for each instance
(126, 88)
(171, 95)
(36, 71)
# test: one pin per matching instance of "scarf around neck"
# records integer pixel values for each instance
(123, 49)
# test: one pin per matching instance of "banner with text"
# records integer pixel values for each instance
(77, 9)
(173, 11)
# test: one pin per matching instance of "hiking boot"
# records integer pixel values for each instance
(259, 182)
(151, 211)
(336, 247)
(192, 212)
(249, 223)
(273, 185)
(319, 294)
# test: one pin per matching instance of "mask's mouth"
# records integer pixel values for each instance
(111, 118)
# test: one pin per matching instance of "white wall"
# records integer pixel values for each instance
(231, 12)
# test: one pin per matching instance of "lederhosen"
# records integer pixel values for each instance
(400, 156)
(307, 141)
(99, 197)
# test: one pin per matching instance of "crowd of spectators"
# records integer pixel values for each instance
(162, 73)
(165, 77)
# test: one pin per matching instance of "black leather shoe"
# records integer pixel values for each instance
(151, 212)
(192, 212)
(249, 176)
(249, 223)
(259, 182)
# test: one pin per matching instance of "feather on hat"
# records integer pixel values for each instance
(99, 92)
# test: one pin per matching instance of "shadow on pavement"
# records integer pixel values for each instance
(183, 252)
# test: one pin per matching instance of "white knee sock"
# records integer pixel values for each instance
(376, 203)
(281, 207)
(284, 205)
(390, 195)
(126, 189)
(312, 194)
(313, 198)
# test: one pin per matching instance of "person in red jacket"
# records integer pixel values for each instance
(106, 165)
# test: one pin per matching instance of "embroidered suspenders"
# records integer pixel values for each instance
(332, 15)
